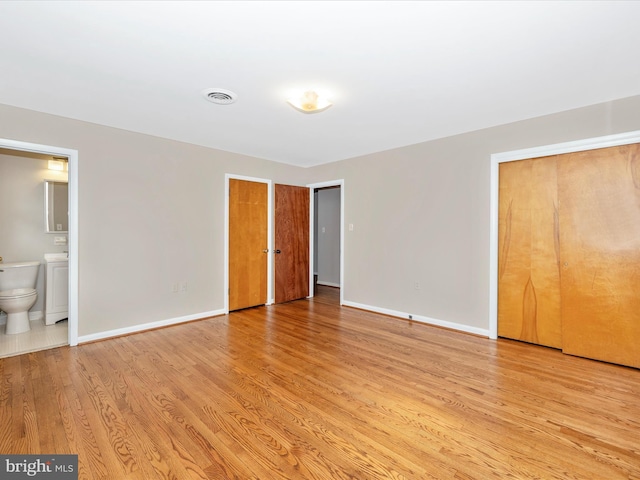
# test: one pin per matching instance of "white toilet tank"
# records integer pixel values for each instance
(18, 275)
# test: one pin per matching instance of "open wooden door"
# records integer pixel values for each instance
(248, 243)
(291, 243)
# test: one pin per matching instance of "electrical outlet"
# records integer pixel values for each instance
(416, 285)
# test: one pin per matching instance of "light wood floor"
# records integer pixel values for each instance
(310, 390)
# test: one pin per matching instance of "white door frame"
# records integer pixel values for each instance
(312, 187)
(227, 177)
(496, 160)
(72, 234)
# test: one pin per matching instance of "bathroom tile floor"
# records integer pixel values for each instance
(40, 337)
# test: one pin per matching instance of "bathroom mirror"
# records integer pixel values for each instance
(56, 206)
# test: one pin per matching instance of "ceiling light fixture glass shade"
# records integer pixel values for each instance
(56, 164)
(310, 102)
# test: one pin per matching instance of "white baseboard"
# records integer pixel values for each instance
(198, 316)
(148, 326)
(328, 284)
(418, 318)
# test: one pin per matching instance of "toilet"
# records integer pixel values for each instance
(18, 294)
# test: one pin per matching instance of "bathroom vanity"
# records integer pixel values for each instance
(56, 287)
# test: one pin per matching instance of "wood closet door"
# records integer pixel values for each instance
(599, 194)
(528, 263)
(291, 243)
(248, 243)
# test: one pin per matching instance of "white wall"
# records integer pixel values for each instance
(421, 214)
(151, 213)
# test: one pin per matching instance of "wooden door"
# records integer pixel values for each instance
(528, 264)
(248, 243)
(599, 194)
(291, 243)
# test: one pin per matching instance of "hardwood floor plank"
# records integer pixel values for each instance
(6, 411)
(49, 415)
(309, 390)
(80, 438)
(24, 418)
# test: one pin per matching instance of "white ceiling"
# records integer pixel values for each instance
(398, 73)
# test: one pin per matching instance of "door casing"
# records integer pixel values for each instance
(72, 156)
(312, 187)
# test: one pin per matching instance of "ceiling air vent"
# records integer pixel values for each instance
(219, 96)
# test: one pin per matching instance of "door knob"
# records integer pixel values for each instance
(276, 251)
(266, 250)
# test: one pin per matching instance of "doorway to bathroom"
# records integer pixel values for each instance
(25, 167)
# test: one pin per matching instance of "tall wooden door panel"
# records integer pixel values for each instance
(247, 243)
(528, 264)
(291, 243)
(599, 193)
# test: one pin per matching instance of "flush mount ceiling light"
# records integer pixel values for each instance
(310, 102)
(219, 96)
